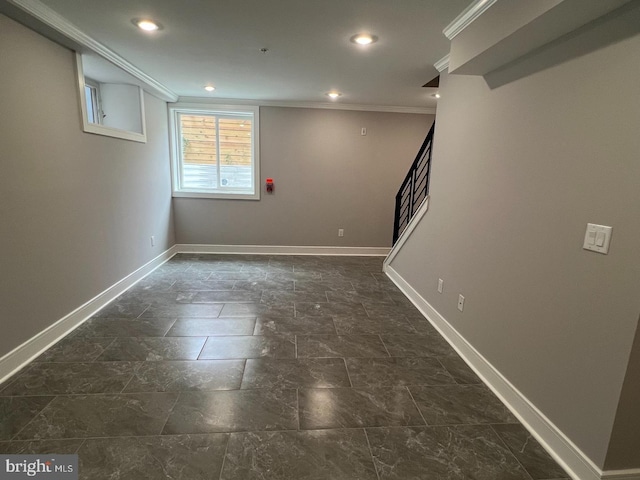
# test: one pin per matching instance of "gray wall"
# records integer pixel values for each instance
(327, 176)
(77, 210)
(625, 437)
(121, 105)
(518, 173)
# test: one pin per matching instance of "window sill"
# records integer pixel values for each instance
(114, 132)
(222, 196)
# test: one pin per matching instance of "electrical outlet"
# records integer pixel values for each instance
(440, 285)
(341, 232)
(153, 241)
(460, 302)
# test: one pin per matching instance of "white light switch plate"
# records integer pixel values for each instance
(597, 238)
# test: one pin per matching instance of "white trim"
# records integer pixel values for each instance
(223, 196)
(294, 104)
(413, 223)
(36, 345)
(559, 446)
(175, 146)
(283, 250)
(442, 64)
(102, 129)
(52, 19)
(628, 474)
(468, 15)
(32, 348)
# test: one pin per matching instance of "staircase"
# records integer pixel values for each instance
(414, 188)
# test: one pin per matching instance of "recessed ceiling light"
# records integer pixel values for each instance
(146, 24)
(364, 39)
(333, 95)
(209, 88)
(436, 95)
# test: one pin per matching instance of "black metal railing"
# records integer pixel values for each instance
(414, 188)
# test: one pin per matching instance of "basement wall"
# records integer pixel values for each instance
(77, 210)
(327, 176)
(518, 172)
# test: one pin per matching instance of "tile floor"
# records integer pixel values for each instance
(258, 367)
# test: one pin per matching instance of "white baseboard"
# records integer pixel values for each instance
(32, 348)
(559, 446)
(283, 250)
(630, 474)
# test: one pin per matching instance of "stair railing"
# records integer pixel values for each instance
(414, 188)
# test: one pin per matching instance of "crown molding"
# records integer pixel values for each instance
(52, 19)
(320, 105)
(469, 14)
(442, 64)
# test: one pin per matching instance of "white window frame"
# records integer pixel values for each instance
(175, 110)
(96, 102)
(98, 128)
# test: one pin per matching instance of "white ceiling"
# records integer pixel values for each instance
(218, 42)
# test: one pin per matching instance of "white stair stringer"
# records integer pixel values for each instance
(406, 233)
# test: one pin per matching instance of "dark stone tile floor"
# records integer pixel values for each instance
(241, 367)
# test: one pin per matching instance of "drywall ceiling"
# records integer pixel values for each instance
(309, 52)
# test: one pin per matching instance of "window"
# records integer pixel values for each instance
(92, 95)
(111, 102)
(215, 151)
